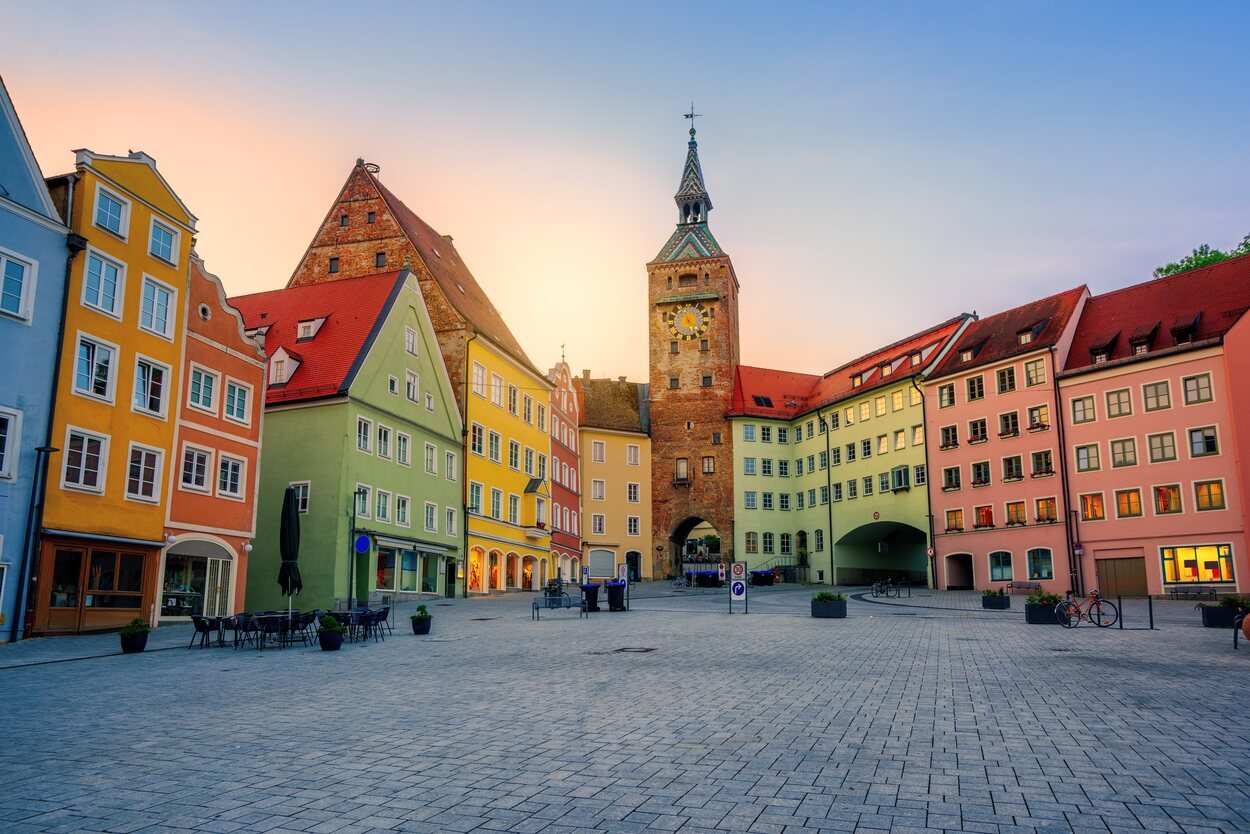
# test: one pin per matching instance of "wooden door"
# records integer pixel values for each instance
(1121, 577)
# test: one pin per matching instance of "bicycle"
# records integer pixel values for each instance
(680, 582)
(1093, 608)
(885, 588)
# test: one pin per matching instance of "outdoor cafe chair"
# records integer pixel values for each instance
(245, 630)
(386, 618)
(203, 631)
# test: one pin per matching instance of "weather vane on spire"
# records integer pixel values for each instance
(692, 116)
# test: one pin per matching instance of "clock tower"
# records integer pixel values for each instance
(692, 311)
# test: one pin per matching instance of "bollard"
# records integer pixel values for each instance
(1150, 609)
(1119, 603)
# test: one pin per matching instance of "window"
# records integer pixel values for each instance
(496, 503)
(333, 265)
(598, 490)
(981, 473)
(371, 217)
(302, 489)
(883, 444)
(914, 395)
(1043, 464)
(512, 399)
(865, 448)
(983, 517)
(1009, 424)
(766, 434)
(495, 447)
(783, 501)
(1087, 458)
(1127, 503)
(111, 212)
(850, 452)
(786, 544)
(230, 477)
(529, 461)
(820, 541)
(950, 478)
(900, 440)
(384, 442)
(16, 297)
(768, 542)
(597, 524)
(402, 444)
(410, 341)
(1202, 442)
(1046, 510)
(412, 386)
(1013, 468)
(93, 369)
(1197, 388)
(768, 501)
(1016, 514)
(143, 475)
(1000, 566)
(103, 285)
(542, 467)
(1119, 403)
(163, 242)
(706, 380)
(1209, 495)
(748, 499)
(632, 454)
(542, 417)
(1034, 372)
(1006, 380)
(496, 389)
(203, 390)
(681, 470)
(783, 435)
(766, 466)
(1162, 447)
(195, 464)
(811, 430)
(1083, 410)
(865, 411)
(1156, 396)
(950, 434)
(976, 388)
(598, 451)
(880, 406)
(477, 439)
(382, 507)
(896, 403)
(633, 525)
(920, 475)
(709, 465)
(401, 511)
(900, 478)
(837, 492)
(850, 416)
(954, 521)
(475, 499)
(1040, 564)
(632, 492)
(479, 379)
(236, 402)
(514, 454)
(149, 396)
(1124, 452)
(154, 308)
(1206, 563)
(783, 468)
(748, 433)
(1039, 417)
(431, 452)
(946, 396)
(1167, 499)
(379, 260)
(449, 466)
(450, 522)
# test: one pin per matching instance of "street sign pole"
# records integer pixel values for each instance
(738, 586)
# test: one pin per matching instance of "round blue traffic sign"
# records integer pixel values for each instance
(363, 543)
(739, 589)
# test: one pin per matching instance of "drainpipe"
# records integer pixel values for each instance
(828, 487)
(464, 468)
(1075, 568)
(29, 572)
(928, 475)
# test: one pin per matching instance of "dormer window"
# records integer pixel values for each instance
(307, 329)
(916, 359)
(857, 380)
(965, 356)
(1142, 338)
(1140, 348)
(1101, 357)
(1024, 337)
(282, 366)
(763, 402)
(1185, 328)
(1100, 351)
(279, 370)
(886, 370)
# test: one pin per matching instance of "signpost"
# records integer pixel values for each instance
(622, 575)
(585, 574)
(721, 570)
(738, 586)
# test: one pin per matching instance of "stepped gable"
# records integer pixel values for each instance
(1193, 307)
(353, 310)
(996, 337)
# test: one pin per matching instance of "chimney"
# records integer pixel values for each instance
(586, 374)
(620, 379)
(449, 238)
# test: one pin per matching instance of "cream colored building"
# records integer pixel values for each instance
(616, 477)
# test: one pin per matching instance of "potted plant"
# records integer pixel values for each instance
(330, 633)
(421, 620)
(134, 636)
(1222, 613)
(1039, 608)
(995, 599)
(828, 605)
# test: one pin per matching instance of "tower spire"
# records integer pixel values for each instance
(693, 202)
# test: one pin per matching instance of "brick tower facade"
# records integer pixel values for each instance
(692, 300)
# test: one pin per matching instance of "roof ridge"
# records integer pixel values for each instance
(897, 343)
(373, 276)
(1041, 300)
(1162, 278)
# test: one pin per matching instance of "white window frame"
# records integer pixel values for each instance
(26, 300)
(450, 469)
(411, 345)
(242, 493)
(102, 472)
(598, 451)
(119, 297)
(406, 458)
(598, 489)
(124, 233)
(598, 523)
(412, 385)
(382, 502)
(497, 386)
(404, 502)
(430, 511)
(307, 487)
(111, 396)
(210, 468)
(635, 489)
(171, 315)
(158, 478)
(368, 501)
(388, 453)
(430, 459)
(225, 400)
(451, 521)
(479, 381)
(11, 449)
(163, 413)
(216, 377)
(633, 525)
(481, 453)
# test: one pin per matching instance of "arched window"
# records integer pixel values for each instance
(1000, 566)
(753, 542)
(1041, 565)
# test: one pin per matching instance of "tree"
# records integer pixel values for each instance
(1204, 255)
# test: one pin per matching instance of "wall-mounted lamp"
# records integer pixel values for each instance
(247, 547)
(170, 538)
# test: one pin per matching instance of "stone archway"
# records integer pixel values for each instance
(881, 550)
(958, 571)
(694, 538)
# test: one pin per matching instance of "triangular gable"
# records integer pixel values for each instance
(690, 243)
(29, 190)
(131, 172)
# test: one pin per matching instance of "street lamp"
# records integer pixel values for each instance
(361, 492)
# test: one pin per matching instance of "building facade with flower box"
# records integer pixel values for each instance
(1152, 391)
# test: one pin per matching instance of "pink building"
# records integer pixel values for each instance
(993, 439)
(566, 496)
(1151, 391)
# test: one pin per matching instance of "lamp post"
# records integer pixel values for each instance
(827, 429)
(351, 560)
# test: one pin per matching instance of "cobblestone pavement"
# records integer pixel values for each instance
(917, 716)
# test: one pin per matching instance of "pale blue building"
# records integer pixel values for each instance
(33, 253)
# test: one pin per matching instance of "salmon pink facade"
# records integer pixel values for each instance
(993, 438)
(1151, 391)
(212, 503)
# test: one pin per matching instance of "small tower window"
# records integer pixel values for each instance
(674, 383)
(379, 260)
(707, 380)
(334, 265)
(672, 347)
(703, 344)
(372, 218)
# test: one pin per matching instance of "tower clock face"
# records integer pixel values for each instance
(688, 321)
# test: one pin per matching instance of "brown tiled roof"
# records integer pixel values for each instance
(611, 404)
(996, 337)
(1216, 296)
(444, 263)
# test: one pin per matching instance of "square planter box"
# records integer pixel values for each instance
(1218, 616)
(835, 609)
(1040, 614)
(995, 602)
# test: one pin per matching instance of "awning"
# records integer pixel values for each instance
(96, 537)
(411, 544)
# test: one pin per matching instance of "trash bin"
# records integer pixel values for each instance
(616, 596)
(590, 592)
(788, 573)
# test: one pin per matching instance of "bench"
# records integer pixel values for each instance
(1196, 591)
(553, 602)
(1023, 587)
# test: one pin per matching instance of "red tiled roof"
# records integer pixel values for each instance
(452, 276)
(352, 308)
(1216, 295)
(792, 394)
(997, 337)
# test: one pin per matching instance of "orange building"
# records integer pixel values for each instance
(212, 488)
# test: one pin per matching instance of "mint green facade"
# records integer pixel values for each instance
(849, 501)
(404, 450)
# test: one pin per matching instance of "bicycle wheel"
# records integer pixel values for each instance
(876, 590)
(1104, 614)
(1067, 617)
(893, 591)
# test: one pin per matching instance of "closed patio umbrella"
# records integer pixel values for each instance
(288, 544)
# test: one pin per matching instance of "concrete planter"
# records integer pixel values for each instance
(834, 609)
(1040, 614)
(994, 602)
(1218, 616)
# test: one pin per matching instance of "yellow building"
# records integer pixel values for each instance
(117, 394)
(508, 493)
(615, 477)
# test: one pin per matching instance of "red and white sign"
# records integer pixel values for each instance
(739, 570)
(930, 552)
(721, 568)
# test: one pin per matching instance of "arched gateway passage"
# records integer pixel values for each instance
(693, 540)
(881, 550)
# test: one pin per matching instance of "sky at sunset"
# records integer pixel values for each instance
(875, 167)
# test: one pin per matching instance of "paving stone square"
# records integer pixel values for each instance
(921, 714)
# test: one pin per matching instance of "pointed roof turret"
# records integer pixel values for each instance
(692, 239)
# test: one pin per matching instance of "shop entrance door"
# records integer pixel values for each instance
(1121, 577)
(64, 594)
(449, 582)
(196, 580)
